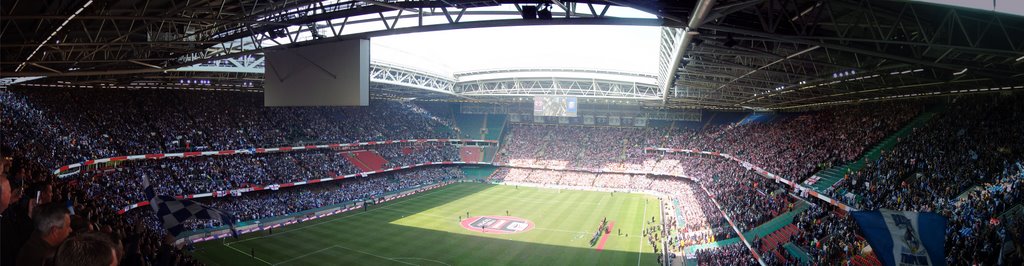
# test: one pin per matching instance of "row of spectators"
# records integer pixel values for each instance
(573, 146)
(43, 128)
(572, 178)
(975, 141)
(802, 144)
(58, 126)
(729, 255)
(265, 204)
(827, 235)
(405, 154)
(218, 173)
(974, 146)
(747, 198)
(795, 146)
(270, 203)
(981, 228)
(66, 212)
(690, 217)
(964, 163)
(39, 227)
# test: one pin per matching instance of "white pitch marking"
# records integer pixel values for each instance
(243, 253)
(640, 243)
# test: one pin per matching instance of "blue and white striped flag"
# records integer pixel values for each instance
(904, 238)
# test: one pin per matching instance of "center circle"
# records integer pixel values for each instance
(497, 224)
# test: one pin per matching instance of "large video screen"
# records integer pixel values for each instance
(554, 106)
(330, 74)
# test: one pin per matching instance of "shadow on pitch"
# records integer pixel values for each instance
(369, 238)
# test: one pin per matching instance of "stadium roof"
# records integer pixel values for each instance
(761, 54)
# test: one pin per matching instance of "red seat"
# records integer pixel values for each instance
(777, 254)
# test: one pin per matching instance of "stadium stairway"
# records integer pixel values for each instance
(825, 179)
(781, 226)
(671, 128)
(777, 238)
(471, 125)
(680, 222)
(720, 243)
(1012, 213)
(495, 124)
(777, 223)
(708, 122)
(489, 153)
(869, 259)
(778, 230)
(797, 253)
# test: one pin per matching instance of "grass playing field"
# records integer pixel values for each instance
(423, 229)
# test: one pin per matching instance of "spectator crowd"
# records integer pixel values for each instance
(65, 226)
(266, 204)
(220, 173)
(59, 127)
(965, 163)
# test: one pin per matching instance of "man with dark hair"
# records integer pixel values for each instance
(53, 225)
(5, 185)
(15, 224)
(5, 192)
(89, 249)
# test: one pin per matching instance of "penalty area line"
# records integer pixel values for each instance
(430, 260)
(375, 255)
(243, 253)
(640, 243)
(356, 250)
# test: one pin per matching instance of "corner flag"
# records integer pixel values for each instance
(904, 238)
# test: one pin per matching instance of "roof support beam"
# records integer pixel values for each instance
(22, 65)
(679, 48)
(389, 5)
(43, 67)
(770, 64)
(145, 64)
(647, 9)
(850, 49)
(560, 5)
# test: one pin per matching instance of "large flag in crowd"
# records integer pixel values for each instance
(173, 212)
(904, 238)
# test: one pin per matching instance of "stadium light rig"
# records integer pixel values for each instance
(844, 73)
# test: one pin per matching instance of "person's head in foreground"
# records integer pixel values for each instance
(88, 249)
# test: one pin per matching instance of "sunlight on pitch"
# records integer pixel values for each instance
(451, 217)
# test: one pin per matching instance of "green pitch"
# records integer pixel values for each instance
(423, 229)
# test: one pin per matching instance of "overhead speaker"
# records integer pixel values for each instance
(529, 12)
(544, 13)
(697, 41)
(730, 42)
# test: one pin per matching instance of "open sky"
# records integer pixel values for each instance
(622, 48)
